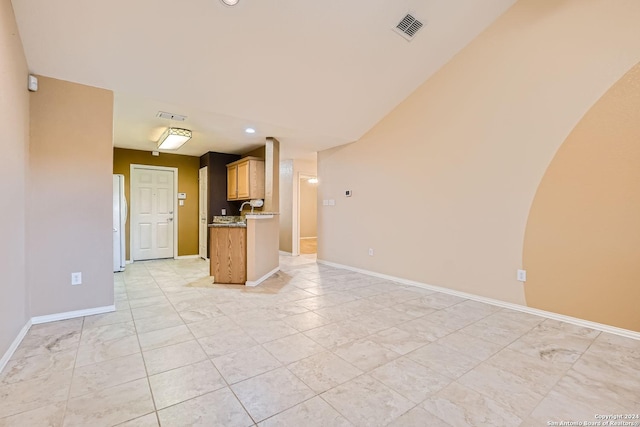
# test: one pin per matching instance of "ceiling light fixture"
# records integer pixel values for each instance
(173, 138)
(250, 130)
(230, 2)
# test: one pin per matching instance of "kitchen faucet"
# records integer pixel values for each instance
(255, 203)
(242, 206)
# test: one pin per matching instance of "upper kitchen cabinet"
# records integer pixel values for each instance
(245, 179)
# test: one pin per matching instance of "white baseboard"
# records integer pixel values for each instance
(537, 312)
(72, 314)
(285, 253)
(187, 257)
(263, 278)
(14, 345)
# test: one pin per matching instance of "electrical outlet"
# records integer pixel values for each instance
(370, 251)
(522, 275)
(347, 193)
(76, 278)
(224, 212)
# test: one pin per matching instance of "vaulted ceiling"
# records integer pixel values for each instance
(314, 74)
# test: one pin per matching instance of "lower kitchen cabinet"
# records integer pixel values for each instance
(228, 254)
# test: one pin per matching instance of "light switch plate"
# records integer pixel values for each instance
(76, 278)
(33, 83)
(522, 275)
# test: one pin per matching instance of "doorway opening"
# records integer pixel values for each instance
(307, 214)
(154, 213)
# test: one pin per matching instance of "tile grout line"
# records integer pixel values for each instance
(261, 345)
(228, 386)
(144, 362)
(73, 372)
(459, 330)
(401, 355)
(555, 384)
(254, 298)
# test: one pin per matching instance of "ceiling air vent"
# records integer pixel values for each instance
(408, 27)
(171, 116)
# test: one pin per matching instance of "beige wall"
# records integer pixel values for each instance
(308, 209)
(262, 247)
(582, 243)
(461, 158)
(271, 176)
(286, 205)
(258, 152)
(70, 196)
(14, 110)
(188, 168)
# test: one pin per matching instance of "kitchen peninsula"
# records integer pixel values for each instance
(244, 250)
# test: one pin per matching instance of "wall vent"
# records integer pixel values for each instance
(408, 27)
(171, 116)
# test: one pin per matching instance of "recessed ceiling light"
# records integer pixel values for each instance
(250, 130)
(230, 2)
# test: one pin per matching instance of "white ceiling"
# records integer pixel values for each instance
(313, 74)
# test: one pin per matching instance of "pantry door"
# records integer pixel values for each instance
(153, 212)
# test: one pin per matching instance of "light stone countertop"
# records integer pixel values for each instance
(229, 221)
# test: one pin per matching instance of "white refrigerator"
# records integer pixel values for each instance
(119, 220)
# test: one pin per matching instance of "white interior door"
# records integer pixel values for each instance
(203, 212)
(152, 219)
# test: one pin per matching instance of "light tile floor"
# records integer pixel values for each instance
(312, 346)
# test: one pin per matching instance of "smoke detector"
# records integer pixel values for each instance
(408, 27)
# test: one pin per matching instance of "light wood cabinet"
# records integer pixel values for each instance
(232, 182)
(245, 179)
(228, 254)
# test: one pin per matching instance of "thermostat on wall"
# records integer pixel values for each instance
(182, 196)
